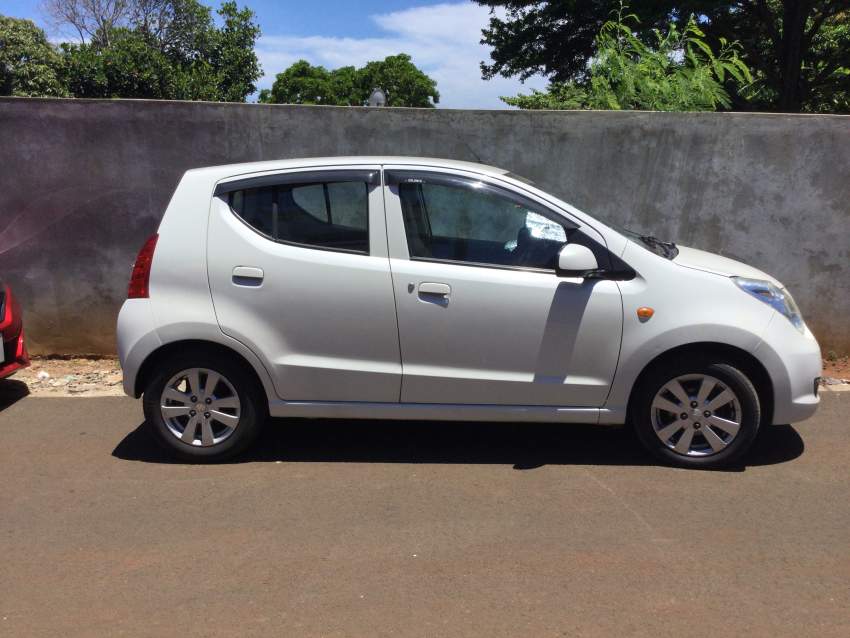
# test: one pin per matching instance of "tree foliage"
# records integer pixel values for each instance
(128, 68)
(797, 50)
(303, 83)
(159, 49)
(28, 62)
(403, 82)
(396, 75)
(677, 72)
(828, 78)
(233, 56)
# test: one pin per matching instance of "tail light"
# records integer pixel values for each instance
(21, 355)
(140, 279)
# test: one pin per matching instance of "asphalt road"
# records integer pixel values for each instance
(377, 529)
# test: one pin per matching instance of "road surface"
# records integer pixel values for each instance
(379, 529)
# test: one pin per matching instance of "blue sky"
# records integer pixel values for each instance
(442, 37)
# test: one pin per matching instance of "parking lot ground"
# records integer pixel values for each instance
(415, 529)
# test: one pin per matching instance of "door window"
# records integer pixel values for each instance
(332, 215)
(456, 219)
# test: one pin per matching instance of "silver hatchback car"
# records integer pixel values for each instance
(411, 288)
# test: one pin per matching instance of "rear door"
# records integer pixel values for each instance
(483, 318)
(299, 272)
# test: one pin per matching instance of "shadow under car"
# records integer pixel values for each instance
(522, 445)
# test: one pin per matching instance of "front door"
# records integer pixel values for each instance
(482, 316)
(299, 272)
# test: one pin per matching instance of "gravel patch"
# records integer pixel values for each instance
(48, 376)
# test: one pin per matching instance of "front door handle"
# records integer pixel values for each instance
(247, 276)
(439, 290)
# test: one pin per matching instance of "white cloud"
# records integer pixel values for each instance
(442, 39)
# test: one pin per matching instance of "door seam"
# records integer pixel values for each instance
(392, 285)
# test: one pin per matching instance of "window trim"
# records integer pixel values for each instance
(395, 177)
(480, 264)
(371, 178)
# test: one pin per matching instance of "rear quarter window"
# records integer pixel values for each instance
(331, 215)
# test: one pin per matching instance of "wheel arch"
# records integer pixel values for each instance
(745, 361)
(163, 352)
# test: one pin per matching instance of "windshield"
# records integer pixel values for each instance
(666, 249)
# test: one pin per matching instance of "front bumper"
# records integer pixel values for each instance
(793, 361)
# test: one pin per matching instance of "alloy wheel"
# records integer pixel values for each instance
(200, 407)
(696, 415)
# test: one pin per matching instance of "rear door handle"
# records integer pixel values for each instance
(440, 290)
(247, 276)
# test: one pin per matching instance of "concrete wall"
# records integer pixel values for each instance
(83, 183)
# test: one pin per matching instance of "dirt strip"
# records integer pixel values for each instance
(75, 376)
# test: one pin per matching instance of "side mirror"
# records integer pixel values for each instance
(575, 260)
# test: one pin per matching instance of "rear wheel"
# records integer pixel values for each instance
(204, 407)
(697, 413)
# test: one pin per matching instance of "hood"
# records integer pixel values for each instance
(719, 265)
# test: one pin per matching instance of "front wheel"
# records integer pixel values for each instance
(695, 414)
(203, 407)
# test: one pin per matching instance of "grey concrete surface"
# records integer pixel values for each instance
(378, 529)
(84, 182)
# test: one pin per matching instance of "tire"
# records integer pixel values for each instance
(712, 427)
(222, 421)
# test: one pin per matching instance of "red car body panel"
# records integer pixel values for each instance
(15, 354)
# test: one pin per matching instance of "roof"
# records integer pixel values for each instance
(228, 170)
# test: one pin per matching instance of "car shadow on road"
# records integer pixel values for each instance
(11, 391)
(525, 446)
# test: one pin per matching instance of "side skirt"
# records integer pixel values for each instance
(440, 412)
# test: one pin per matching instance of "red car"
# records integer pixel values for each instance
(15, 354)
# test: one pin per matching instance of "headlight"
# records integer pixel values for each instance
(780, 300)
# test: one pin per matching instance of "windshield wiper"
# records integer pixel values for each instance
(665, 248)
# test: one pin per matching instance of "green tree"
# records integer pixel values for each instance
(181, 29)
(828, 90)
(28, 62)
(344, 84)
(169, 50)
(403, 82)
(128, 68)
(798, 50)
(678, 72)
(233, 56)
(303, 83)
(400, 79)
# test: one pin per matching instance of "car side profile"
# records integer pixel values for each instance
(430, 289)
